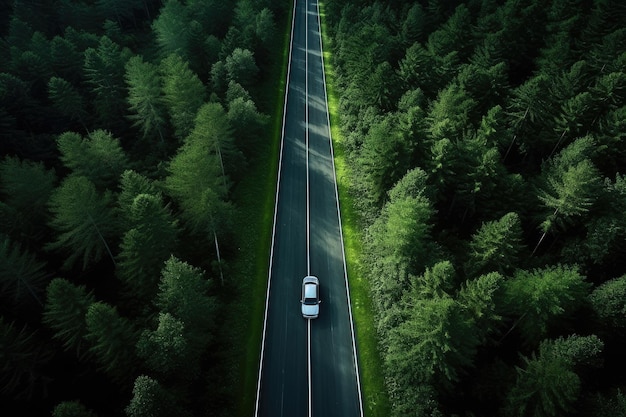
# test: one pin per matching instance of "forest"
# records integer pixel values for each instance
(126, 126)
(486, 141)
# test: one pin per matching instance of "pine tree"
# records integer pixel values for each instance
(84, 220)
(241, 67)
(112, 340)
(183, 93)
(98, 157)
(183, 294)
(146, 246)
(172, 28)
(22, 275)
(72, 409)
(65, 310)
(25, 187)
(150, 399)
(144, 97)
(213, 131)
(609, 302)
(545, 387)
(131, 185)
(67, 99)
(495, 246)
(104, 71)
(433, 345)
(165, 349)
(572, 184)
(384, 159)
(22, 356)
(549, 383)
(544, 298)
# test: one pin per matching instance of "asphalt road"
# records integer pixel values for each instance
(308, 368)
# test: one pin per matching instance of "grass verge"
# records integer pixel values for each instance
(375, 397)
(254, 198)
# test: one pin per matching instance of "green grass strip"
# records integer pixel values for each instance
(375, 396)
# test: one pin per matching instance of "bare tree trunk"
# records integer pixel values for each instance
(106, 245)
(219, 258)
(514, 137)
(544, 234)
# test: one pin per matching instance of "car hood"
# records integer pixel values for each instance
(310, 310)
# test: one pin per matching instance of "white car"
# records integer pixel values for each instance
(310, 297)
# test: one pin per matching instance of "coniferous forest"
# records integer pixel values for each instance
(125, 125)
(487, 145)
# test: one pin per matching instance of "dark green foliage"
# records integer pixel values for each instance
(241, 67)
(400, 239)
(72, 409)
(546, 387)
(197, 180)
(22, 357)
(549, 384)
(66, 99)
(495, 246)
(482, 298)
(384, 159)
(150, 399)
(172, 28)
(98, 157)
(112, 340)
(84, 219)
(183, 93)
(609, 302)
(26, 187)
(104, 71)
(144, 98)
(65, 310)
(22, 276)
(146, 246)
(95, 99)
(164, 349)
(543, 298)
(433, 344)
(183, 294)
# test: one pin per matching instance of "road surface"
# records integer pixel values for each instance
(307, 368)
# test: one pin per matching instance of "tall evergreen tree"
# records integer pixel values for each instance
(22, 358)
(65, 311)
(549, 383)
(25, 187)
(495, 246)
(544, 298)
(146, 246)
(183, 293)
(72, 409)
(84, 220)
(165, 349)
(150, 399)
(98, 157)
(104, 71)
(22, 276)
(67, 99)
(172, 28)
(112, 340)
(144, 97)
(183, 93)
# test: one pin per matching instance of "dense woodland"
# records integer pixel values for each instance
(487, 141)
(124, 127)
